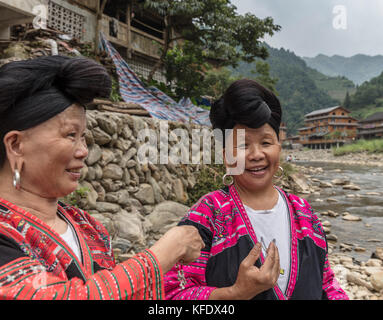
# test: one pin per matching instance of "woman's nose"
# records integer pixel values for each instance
(81, 150)
(256, 153)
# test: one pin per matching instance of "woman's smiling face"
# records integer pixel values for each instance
(259, 154)
(54, 154)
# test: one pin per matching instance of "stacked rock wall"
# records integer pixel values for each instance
(136, 202)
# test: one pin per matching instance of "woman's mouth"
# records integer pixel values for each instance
(75, 173)
(257, 171)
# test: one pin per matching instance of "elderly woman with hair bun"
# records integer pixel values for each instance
(49, 250)
(260, 242)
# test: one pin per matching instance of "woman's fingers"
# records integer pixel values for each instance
(277, 266)
(271, 266)
(253, 255)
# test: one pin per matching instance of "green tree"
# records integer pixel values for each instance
(347, 101)
(262, 75)
(217, 81)
(213, 27)
(185, 67)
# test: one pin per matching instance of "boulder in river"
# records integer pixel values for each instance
(351, 187)
(350, 217)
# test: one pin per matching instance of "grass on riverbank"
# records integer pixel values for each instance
(370, 146)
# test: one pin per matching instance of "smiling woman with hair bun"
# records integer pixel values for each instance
(49, 250)
(261, 242)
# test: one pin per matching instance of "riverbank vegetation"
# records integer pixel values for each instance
(369, 146)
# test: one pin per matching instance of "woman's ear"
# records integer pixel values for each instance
(13, 142)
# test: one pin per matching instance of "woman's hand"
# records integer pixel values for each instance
(250, 279)
(181, 243)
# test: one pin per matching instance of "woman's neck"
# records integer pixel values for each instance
(43, 208)
(264, 199)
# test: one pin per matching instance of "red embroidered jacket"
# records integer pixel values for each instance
(229, 236)
(36, 263)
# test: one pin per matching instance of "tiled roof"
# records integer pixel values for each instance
(374, 117)
(320, 111)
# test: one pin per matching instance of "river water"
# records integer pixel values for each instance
(367, 203)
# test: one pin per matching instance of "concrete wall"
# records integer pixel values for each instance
(90, 19)
(14, 12)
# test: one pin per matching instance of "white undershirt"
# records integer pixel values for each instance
(70, 238)
(274, 224)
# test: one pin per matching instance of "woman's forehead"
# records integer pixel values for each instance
(72, 116)
(266, 129)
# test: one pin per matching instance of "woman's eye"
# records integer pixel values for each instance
(72, 134)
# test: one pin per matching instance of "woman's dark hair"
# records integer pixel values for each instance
(248, 103)
(33, 91)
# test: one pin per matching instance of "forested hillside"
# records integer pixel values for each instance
(367, 99)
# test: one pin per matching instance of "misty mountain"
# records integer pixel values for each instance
(358, 68)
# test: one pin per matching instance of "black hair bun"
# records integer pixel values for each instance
(80, 79)
(248, 103)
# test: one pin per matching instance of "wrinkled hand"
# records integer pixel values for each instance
(188, 238)
(252, 280)
(179, 244)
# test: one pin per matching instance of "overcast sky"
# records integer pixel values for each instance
(310, 27)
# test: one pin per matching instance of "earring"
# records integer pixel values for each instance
(16, 180)
(280, 175)
(225, 177)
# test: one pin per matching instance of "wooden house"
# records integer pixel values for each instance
(282, 132)
(328, 127)
(136, 33)
(371, 127)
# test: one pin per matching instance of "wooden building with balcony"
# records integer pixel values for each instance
(328, 127)
(136, 33)
(371, 127)
(282, 132)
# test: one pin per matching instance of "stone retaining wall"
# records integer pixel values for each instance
(125, 194)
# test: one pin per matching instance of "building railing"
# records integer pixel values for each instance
(145, 43)
(130, 37)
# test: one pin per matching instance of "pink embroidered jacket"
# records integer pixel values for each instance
(229, 236)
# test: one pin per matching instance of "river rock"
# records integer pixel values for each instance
(94, 154)
(178, 189)
(145, 194)
(350, 217)
(351, 187)
(166, 215)
(377, 280)
(122, 244)
(378, 253)
(113, 171)
(129, 226)
(107, 156)
(107, 207)
(374, 262)
(331, 237)
(333, 214)
(101, 137)
(340, 182)
(107, 124)
(325, 184)
(91, 195)
(357, 279)
(300, 182)
(106, 221)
